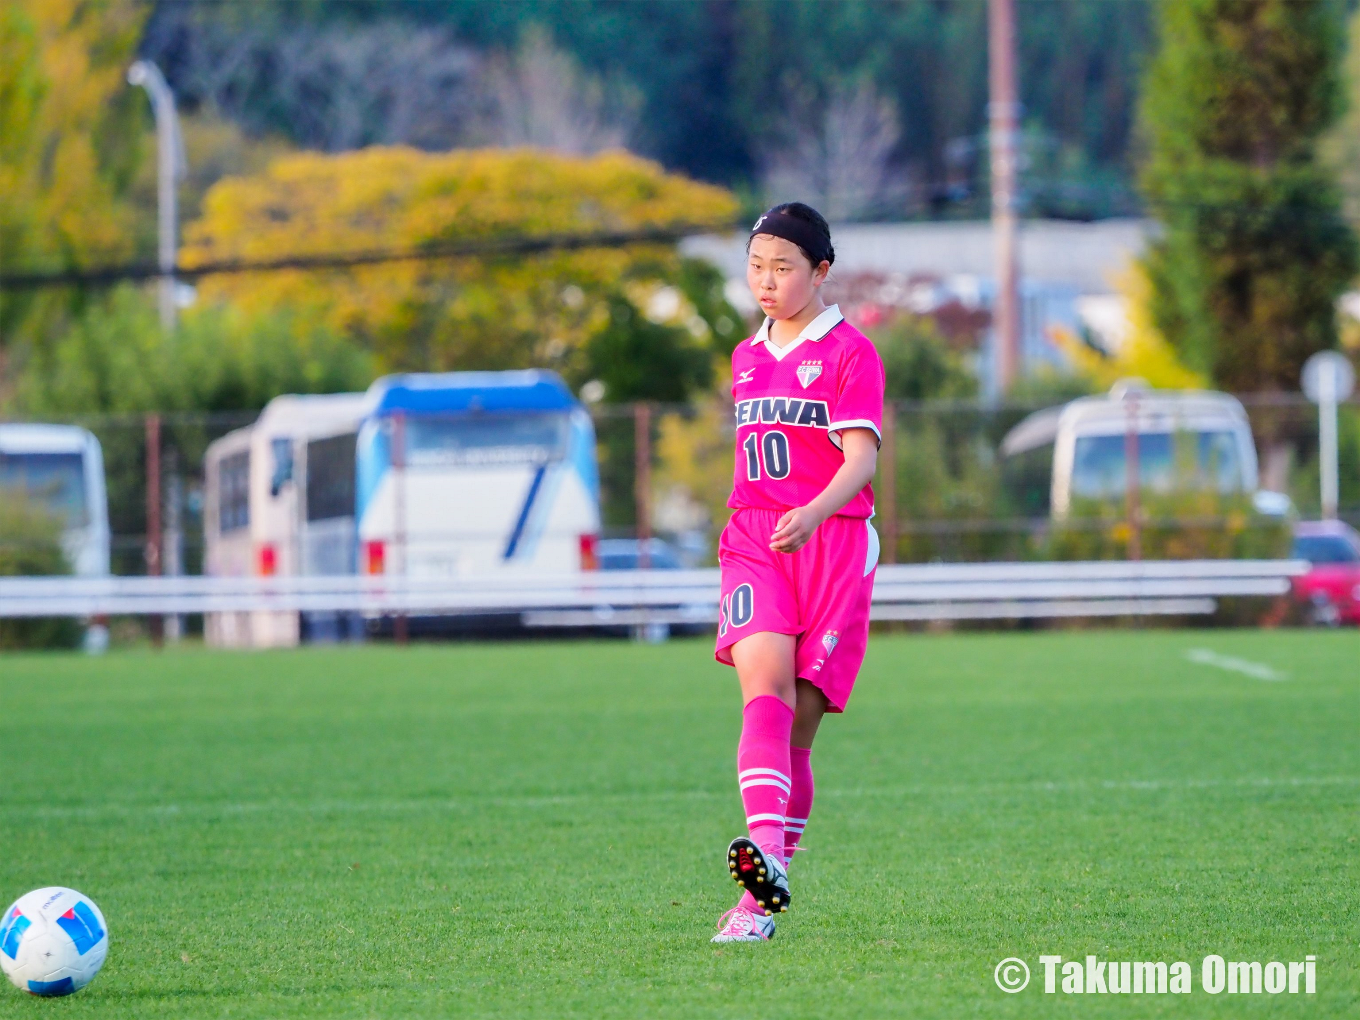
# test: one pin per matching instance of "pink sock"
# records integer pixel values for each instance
(799, 808)
(800, 799)
(763, 770)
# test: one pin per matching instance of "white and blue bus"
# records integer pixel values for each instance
(60, 468)
(473, 473)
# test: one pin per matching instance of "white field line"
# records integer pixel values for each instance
(1257, 670)
(200, 810)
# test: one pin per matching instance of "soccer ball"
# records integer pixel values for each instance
(52, 941)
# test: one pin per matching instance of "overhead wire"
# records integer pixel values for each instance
(512, 244)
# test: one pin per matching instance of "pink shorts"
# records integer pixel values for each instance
(821, 594)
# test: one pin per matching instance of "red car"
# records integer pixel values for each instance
(1332, 585)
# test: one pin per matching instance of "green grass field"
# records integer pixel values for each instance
(450, 830)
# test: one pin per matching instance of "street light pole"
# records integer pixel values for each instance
(1328, 379)
(1004, 117)
(170, 167)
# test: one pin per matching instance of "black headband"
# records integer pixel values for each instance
(800, 232)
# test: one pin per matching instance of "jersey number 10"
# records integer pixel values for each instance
(773, 448)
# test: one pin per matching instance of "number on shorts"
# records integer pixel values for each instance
(743, 605)
(774, 448)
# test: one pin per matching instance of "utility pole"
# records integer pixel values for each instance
(885, 501)
(1328, 379)
(172, 533)
(642, 479)
(1004, 117)
(1133, 477)
(170, 168)
(152, 549)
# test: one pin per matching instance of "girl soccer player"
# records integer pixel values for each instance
(799, 554)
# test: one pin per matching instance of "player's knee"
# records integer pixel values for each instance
(761, 683)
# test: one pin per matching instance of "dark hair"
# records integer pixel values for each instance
(813, 238)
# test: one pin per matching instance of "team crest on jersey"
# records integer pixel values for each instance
(830, 640)
(808, 371)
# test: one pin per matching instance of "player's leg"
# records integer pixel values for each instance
(807, 716)
(758, 619)
(835, 588)
(764, 663)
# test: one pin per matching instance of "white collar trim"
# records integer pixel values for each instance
(815, 330)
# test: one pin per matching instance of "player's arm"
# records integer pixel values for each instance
(861, 460)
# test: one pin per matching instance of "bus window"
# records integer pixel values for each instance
(330, 478)
(53, 480)
(282, 449)
(1166, 461)
(486, 440)
(233, 500)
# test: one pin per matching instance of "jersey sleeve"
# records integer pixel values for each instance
(859, 393)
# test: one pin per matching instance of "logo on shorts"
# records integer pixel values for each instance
(808, 371)
(829, 641)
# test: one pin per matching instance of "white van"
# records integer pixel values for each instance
(1077, 450)
(474, 473)
(279, 500)
(61, 467)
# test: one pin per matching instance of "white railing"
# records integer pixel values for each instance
(905, 592)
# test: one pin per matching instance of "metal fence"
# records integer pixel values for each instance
(942, 490)
(632, 598)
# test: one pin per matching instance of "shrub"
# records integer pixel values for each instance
(30, 545)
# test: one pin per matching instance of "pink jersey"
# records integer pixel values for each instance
(791, 404)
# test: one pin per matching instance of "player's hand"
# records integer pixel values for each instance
(794, 529)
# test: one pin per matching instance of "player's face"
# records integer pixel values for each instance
(780, 276)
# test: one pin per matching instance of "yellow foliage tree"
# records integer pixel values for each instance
(1144, 353)
(70, 141)
(62, 65)
(485, 312)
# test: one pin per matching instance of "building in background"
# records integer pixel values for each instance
(1069, 273)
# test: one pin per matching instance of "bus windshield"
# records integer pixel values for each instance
(55, 481)
(486, 440)
(1167, 461)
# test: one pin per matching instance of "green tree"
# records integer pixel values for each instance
(114, 362)
(1255, 250)
(918, 361)
(1342, 146)
(718, 81)
(30, 545)
(119, 361)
